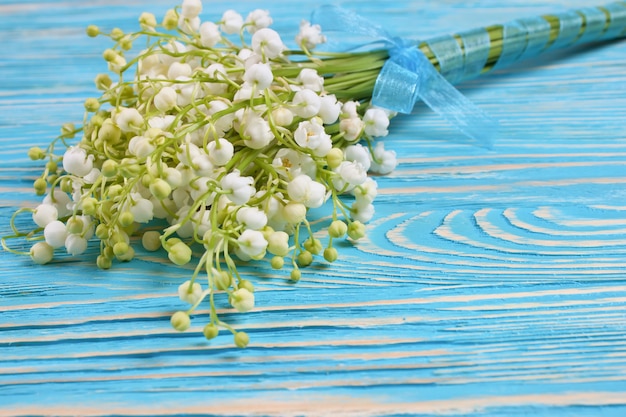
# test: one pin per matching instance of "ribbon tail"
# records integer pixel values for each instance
(441, 96)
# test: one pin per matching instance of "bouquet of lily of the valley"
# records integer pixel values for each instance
(217, 137)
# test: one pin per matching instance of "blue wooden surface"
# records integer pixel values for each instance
(491, 282)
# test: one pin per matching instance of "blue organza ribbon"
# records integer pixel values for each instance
(408, 76)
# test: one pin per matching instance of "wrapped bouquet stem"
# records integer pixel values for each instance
(213, 142)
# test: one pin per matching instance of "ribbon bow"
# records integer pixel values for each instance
(408, 76)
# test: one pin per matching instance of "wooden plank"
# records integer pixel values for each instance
(490, 283)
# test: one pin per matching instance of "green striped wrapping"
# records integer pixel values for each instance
(469, 54)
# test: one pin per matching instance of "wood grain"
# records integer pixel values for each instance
(491, 282)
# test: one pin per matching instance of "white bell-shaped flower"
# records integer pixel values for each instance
(252, 218)
(376, 122)
(75, 245)
(290, 163)
(352, 173)
(92, 177)
(258, 19)
(141, 208)
(220, 151)
(209, 34)
(77, 162)
(306, 103)
(41, 253)
(191, 8)
(351, 128)
(231, 22)
(267, 42)
(367, 191)
(189, 26)
(55, 234)
(310, 79)
(44, 214)
(161, 122)
(282, 116)
(311, 135)
(350, 109)
(190, 293)
(358, 153)
(257, 132)
(252, 243)
(303, 189)
(179, 69)
(61, 201)
(260, 75)
(242, 300)
(310, 35)
(129, 120)
(362, 211)
(140, 146)
(330, 109)
(278, 243)
(383, 161)
(239, 189)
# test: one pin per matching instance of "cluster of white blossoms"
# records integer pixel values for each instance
(217, 145)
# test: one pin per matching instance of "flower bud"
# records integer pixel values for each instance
(277, 262)
(120, 248)
(89, 206)
(244, 283)
(115, 190)
(109, 168)
(170, 20)
(92, 105)
(242, 339)
(109, 133)
(92, 31)
(160, 188)
(295, 275)
(313, 245)
(116, 34)
(356, 230)
(75, 225)
(180, 321)
(147, 21)
(305, 258)
(223, 280)
(41, 253)
(103, 82)
(126, 218)
(278, 243)
(126, 43)
(151, 240)
(103, 262)
(68, 130)
(294, 213)
(40, 185)
(110, 55)
(179, 253)
(337, 229)
(210, 331)
(66, 185)
(330, 254)
(36, 153)
(127, 256)
(282, 116)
